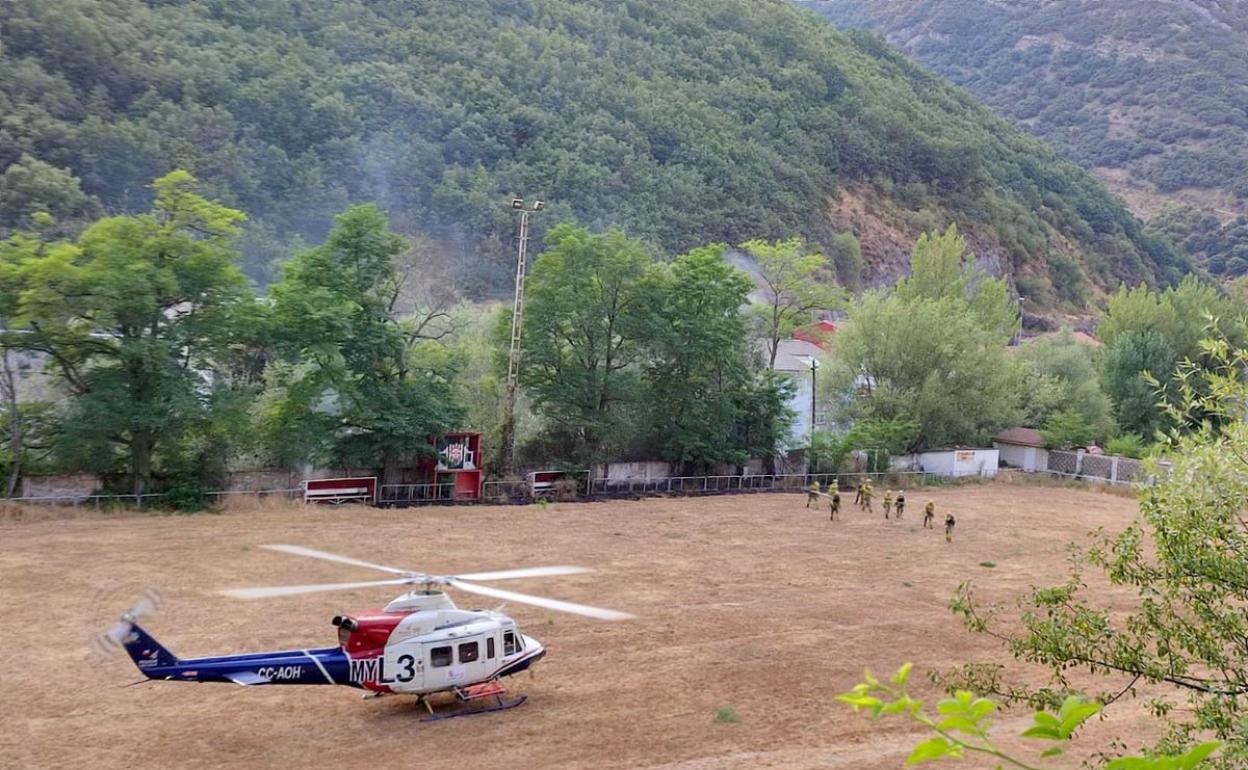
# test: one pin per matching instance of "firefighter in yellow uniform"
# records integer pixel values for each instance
(929, 513)
(949, 522)
(812, 494)
(888, 502)
(835, 503)
(866, 496)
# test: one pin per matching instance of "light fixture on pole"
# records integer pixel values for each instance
(517, 322)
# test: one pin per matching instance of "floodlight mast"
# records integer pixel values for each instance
(517, 325)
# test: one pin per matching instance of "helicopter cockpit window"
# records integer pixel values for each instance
(440, 657)
(511, 643)
(468, 652)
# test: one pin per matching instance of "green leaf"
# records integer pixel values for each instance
(1197, 754)
(902, 674)
(959, 723)
(1041, 732)
(1052, 751)
(933, 748)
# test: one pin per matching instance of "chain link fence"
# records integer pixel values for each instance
(1109, 469)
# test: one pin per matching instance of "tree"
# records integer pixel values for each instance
(957, 384)
(962, 722)
(582, 336)
(1062, 375)
(358, 383)
(135, 316)
(1126, 370)
(30, 187)
(942, 268)
(697, 375)
(1067, 429)
(1182, 559)
(791, 289)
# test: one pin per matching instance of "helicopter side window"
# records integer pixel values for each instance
(489, 647)
(468, 652)
(511, 643)
(440, 657)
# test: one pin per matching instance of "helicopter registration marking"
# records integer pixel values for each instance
(280, 672)
(374, 669)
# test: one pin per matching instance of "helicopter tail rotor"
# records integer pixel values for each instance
(126, 633)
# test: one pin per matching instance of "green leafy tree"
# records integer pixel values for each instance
(958, 385)
(30, 187)
(942, 268)
(1182, 560)
(1067, 429)
(136, 317)
(583, 336)
(1128, 369)
(1062, 375)
(962, 724)
(697, 373)
(881, 440)
(791, 287)
(359, 382)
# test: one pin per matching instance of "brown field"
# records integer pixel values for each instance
(750, 602)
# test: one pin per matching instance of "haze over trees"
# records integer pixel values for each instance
(292, 111)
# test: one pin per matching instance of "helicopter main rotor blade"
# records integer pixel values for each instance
(540, 601)
(299, 550)
(515, 574)
(311, 588)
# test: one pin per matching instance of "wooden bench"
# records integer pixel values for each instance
(338, 496)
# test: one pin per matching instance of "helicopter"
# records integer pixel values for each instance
(418, 644)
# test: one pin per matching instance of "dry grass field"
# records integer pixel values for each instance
(748, 602)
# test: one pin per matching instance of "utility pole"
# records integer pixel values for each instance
(517, 325)
(814, 367)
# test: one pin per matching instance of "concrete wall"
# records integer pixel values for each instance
(637, 470)
(1029, 458)
(73, 485)
(951, 462)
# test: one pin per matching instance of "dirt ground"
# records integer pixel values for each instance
(749, 602)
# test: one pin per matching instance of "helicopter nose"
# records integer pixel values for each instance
(534, 647)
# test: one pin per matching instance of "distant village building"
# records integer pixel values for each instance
(799, 360)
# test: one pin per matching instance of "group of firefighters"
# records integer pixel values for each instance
(863, 493)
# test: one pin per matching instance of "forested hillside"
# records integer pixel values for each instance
(1153, 93)
(771, 124)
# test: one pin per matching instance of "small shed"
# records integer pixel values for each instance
(1022, 448)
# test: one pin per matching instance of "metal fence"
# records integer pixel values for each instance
(415, 494)
(1098, 468)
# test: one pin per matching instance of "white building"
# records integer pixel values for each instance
(799, 360)
(1022, 448)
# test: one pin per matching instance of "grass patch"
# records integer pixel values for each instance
(988, 564)
(727, 715)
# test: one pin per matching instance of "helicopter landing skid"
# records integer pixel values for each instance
(487, 696)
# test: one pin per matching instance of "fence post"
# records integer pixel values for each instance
(1113, 469)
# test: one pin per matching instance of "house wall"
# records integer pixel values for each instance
(799, 434)
(1029, 458)
(951, 462)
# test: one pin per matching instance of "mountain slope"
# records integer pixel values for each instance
(683, 122)
(1153, 93)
